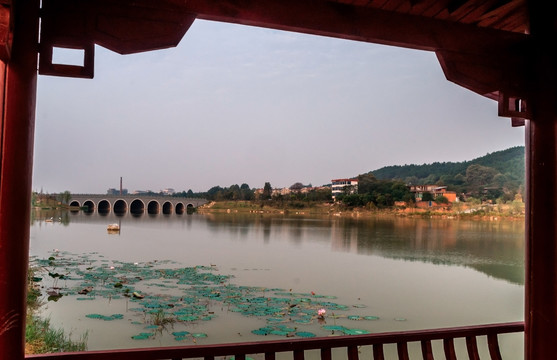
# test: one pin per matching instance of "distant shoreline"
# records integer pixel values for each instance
(484, 212)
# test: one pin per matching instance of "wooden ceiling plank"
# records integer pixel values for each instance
(378, 4)
(495, 15)
(404, 7)
(392, 5)
(473, 15)
(455, 5)
(435, 8)
(467, 8)
(421, 6)
(512, 21)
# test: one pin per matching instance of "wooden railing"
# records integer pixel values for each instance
(324, 344)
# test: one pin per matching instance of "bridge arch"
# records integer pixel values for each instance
(190, 208)
(103, 207)
(180, 208)
(120, 207)
(89, 206)
(137, 207)
(75, 203)
(167, 208)
(153, 207)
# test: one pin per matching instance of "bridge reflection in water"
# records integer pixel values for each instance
(135, 204)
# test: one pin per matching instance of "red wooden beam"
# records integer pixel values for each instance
(356, 23)
(18, 120)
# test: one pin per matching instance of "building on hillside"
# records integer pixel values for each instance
(168, 191)
(340, 186)
(434, 190)
(281, 191)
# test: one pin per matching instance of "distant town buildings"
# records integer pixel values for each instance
(287, 191)
(113, 191)
(435, 190)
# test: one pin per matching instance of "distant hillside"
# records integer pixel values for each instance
(503, 170)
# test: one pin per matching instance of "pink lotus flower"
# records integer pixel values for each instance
(321, 312)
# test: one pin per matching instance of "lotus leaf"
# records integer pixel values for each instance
(180, 333)
(142, 336)
(334, 327)
(355, 331)
(279, 332)
(305, 334)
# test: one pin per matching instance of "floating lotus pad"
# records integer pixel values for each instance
(142, 336)
(199, 287)
(305, 334)
(355, 331)
(334, 327)
(104, 317)
(180, 333)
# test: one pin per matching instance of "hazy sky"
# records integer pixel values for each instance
(235, 104)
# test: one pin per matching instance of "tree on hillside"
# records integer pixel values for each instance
(267, 191)
(297, 186)
(366, 183)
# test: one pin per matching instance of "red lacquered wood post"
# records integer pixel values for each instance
(541, 186)
(18, 122)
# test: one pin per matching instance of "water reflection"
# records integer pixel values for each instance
(495, 248)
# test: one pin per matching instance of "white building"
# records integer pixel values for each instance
(340, 185)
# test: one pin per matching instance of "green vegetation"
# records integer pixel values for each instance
(40, 336)
(217, 193)
(490, 177)
(51, 201)
(374, 193)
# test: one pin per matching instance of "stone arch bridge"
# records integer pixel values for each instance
(135, 204)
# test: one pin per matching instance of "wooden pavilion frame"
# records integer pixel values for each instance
(502, 49)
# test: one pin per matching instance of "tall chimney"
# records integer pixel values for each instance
(120, 186)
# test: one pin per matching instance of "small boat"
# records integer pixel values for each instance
(113, 228)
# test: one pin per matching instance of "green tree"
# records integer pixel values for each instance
(441, 200)
(479, 176)
(267, 191)
(297, 186)
(64, 197)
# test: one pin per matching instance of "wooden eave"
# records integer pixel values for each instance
(479, 43)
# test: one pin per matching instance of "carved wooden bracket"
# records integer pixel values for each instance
(499, 75)
(123, 26)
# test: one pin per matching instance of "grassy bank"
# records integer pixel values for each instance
(509, 211)
(40, 336)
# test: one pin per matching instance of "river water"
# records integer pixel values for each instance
(370, 275)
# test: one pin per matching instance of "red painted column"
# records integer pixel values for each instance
(541, 185)
(17, 133)
(541, 240)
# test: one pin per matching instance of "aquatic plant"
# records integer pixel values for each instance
(159, 295)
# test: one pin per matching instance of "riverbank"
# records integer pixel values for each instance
(40, 336)
(489, 212)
